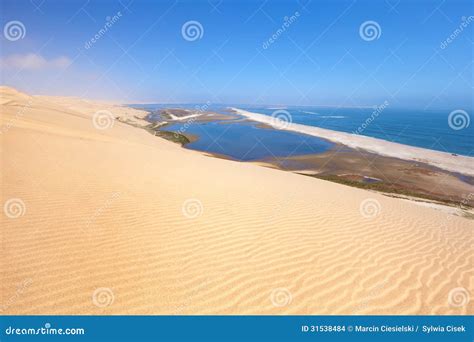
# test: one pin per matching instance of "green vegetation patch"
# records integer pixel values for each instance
(156, 130)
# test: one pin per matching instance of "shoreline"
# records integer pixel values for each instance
(443, 160)
(388, 175)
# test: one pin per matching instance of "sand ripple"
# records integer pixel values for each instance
(104, 232)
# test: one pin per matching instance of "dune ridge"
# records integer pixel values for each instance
(117, 221)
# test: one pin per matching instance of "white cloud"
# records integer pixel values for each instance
(32, 61)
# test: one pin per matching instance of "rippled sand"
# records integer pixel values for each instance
(117, 221)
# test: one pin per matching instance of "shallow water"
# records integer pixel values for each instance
(428, 129)
(245, 141)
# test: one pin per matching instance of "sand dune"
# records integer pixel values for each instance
(112, 220)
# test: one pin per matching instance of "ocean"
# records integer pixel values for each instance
(430, 129)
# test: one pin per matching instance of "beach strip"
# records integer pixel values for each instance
(443, 160)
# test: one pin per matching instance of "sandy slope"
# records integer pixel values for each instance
(103, 215)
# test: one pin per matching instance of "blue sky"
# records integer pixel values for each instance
(320, 58)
